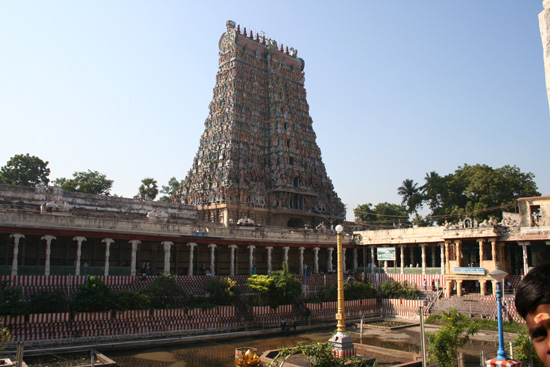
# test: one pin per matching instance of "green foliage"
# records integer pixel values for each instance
(201, 302)
(260, 283)
(222, 291)
(317, 355)
(165, 292)
(5, 335)
(352, 290)
(49, 302)
(279, 288)
(478, 189)
(130, 300)
(25, 170)
(357, 290)
(484, 324)
(91, 182)
(382, 214)
(411, 194)
(285, 287)
(392, 289)
(170, 191)
(93, 296)
(11, 300)
(454, 333)
(148, 188)
(523, 349)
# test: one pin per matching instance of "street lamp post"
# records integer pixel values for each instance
(342, 343)
(498, 276)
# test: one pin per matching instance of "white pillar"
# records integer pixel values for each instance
(329, 259)
(48, 240)
(79, 241)
(212, 248)
(423, 248)
(372, 258)
(442, 257)
(167, 246)
(232, 260)
(525, 257)
(316, 260)
(402, 248)
(432, 250)
(107, 242)
(285, 255)
(269, 249)
(301, 249)
(191, 246)
(133, 259)
(16, 237)
(251, 259)
(355, 260)
(344, 259)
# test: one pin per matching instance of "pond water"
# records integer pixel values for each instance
(221, 354)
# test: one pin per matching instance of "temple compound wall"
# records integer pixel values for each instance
(258, 160)
(44, 231)
(465, 253)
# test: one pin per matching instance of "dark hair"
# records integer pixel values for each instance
(533, 290)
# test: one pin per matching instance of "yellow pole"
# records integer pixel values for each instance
(341, 313)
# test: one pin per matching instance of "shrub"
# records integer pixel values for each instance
(352, 290)
(357, 290)
(93, 296)
(165, 292)
(11, 300)
(393, 289)
(222, 291)
(284, 289)
(129, 300)
(49, 302)
(454, 333)
(318, 354)
(201, 302)
(5, 336)
(279, 288)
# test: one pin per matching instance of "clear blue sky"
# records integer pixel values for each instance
(396, 88)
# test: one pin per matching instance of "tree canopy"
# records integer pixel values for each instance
(478, 191)
(25, 170)
(410, 192)
(91, 182)
(170, 190)
(381, 214)
(148, 188)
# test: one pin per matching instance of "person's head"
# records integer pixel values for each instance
(533, 304)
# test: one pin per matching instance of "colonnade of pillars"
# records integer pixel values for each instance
(167, 245)
(452, 251)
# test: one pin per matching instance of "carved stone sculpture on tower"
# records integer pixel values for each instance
(258, 156)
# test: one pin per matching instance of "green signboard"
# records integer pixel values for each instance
(385, 253)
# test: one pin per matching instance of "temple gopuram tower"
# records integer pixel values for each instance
(258, 158)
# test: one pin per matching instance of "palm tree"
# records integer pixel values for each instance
(410, 192)
(432, 189)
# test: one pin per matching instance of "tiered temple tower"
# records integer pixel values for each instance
(258, 157)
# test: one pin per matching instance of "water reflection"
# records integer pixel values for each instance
(222, 354)
(215, 354)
